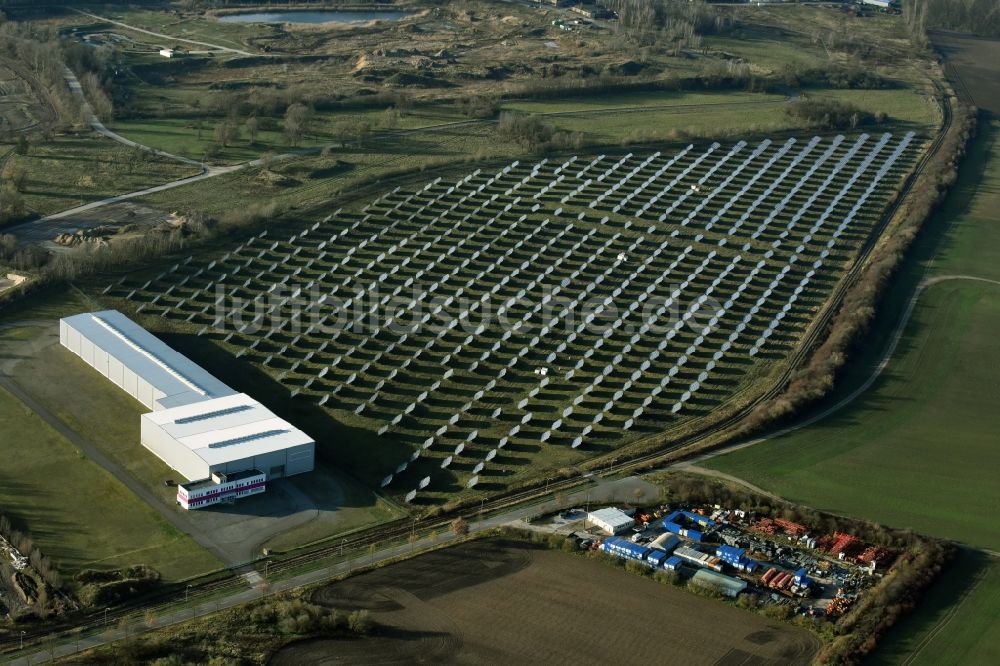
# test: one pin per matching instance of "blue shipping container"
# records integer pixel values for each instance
(656, 557)
(624, 548)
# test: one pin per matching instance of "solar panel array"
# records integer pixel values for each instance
(565, 303)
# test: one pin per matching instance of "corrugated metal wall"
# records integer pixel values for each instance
(300, 459)
(296, 460)
(107, 365)
(175, 455)
(288, 462)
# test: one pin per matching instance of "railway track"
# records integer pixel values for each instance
(355, 545)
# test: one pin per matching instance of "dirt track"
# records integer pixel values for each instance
(496, 602)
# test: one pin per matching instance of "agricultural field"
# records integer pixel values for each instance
(444, 606)
(476, 335)
(956, 623)
(970, 63)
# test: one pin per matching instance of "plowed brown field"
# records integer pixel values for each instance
(505, 602)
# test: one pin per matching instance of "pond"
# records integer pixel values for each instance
(313, 17)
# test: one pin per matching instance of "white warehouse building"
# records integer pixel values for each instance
(225, 435)
(610, 520)
(137, 361)
(225, 443)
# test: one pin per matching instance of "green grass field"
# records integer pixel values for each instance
(665, 115)
(315, 180)
(956, 624)
(182, 135)
(78, 513)
(99, 412)
(904, 106)
(652, 115)
(627, 100)
(922, 439)
(69, 170)
(767, 42)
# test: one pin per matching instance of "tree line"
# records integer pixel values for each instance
(668, 23)
(832, 114)
(37, 49)
(24, 544)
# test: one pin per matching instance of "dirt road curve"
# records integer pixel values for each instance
(897, 334)
(98, 126)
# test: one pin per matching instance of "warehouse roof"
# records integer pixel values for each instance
(713, 579)
(232, 427)
(612, 516)
(179, 379)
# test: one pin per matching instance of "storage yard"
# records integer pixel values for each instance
(735, 552)
(544, 313)
(467, 604)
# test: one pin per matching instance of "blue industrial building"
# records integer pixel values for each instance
(682, 523)
(624, 548)
(655, 558)
(672, 563)
(651, 557)
(736, 558)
